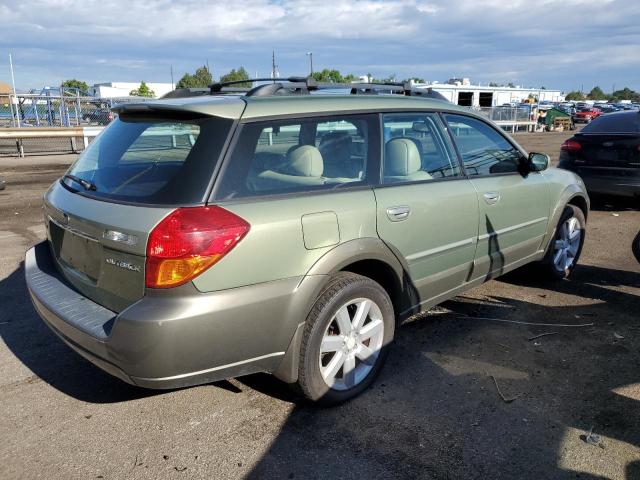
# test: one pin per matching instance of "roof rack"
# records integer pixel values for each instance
(303, 86)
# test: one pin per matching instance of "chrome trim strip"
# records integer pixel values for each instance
(72, 230)
(484, 236)
(444, 248)
(208, 370)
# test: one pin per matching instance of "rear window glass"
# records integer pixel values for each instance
(164, 161)
(614, 123)
(278, 157)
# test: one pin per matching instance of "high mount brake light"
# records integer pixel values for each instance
(188, 241)
(570, 146)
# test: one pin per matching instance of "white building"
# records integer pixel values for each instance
(122, 89)
(463, 93)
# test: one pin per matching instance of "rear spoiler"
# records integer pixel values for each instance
(225, 108)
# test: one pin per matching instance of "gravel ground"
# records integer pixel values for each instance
(435, 411)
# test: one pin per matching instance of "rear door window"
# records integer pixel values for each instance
(416, 149)
(164, 161)
(279, 157)
(483, 149)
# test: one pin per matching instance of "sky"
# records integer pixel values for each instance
(565, 44)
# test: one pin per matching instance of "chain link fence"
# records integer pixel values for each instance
(36, 110)
(27, 111)
(507, 114)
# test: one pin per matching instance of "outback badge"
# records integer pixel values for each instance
(122, 264)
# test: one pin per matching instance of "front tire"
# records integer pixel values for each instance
(345, 340)
(566, 246)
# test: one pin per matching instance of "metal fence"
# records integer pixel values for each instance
(507, 114)
(38, 110)
(34, 113)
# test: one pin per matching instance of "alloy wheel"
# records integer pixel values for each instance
(567, 244)
(351, 344)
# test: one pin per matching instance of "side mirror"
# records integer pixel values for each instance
(538, 161)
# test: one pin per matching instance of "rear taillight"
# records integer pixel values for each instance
(188, 241)
(570, 146)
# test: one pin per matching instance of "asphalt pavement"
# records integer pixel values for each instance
(471, 389)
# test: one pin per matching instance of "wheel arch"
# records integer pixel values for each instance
(570, 196)
(369, 257)
(580, 202)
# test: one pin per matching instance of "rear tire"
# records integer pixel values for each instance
(635, 247)
(566, 246)
(345, 339)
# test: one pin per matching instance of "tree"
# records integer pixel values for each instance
(493, 84)
(236, 75)
(201, 79)
(574, 96)
(414, 79)
(596, 93)
(79, 85)
(625, 94)
(142, 91)
(511, 85)
(333, 76)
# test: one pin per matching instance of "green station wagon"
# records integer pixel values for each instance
(287, 229)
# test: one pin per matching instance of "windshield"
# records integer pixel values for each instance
(165, 161)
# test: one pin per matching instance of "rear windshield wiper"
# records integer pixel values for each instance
(85, 183)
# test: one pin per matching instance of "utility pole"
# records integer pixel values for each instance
(172, 84)
(274, 68)
(310, 55)
(13, 81)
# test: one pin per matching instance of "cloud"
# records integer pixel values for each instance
(559, 43)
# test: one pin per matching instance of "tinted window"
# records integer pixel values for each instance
(483, 150)
(416, 149)
(299, 155)
(152, 161)
(614, 123)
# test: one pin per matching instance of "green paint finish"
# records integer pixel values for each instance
(438, 237)
(108, 272)
(303, 104)
(230, 106)
(320, 230)
(514, 213)
(275, 248)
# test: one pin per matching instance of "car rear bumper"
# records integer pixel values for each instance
(175, 337)
(604, 182)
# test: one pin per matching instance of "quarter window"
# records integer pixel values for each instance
(484, 151)
(300, 155)
(416, 149)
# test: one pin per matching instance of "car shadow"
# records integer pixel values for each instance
(435, 411)
(50, 360)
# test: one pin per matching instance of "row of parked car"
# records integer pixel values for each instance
(583, 112)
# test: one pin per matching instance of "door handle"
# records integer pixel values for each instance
(492, 197)
(397, 214)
